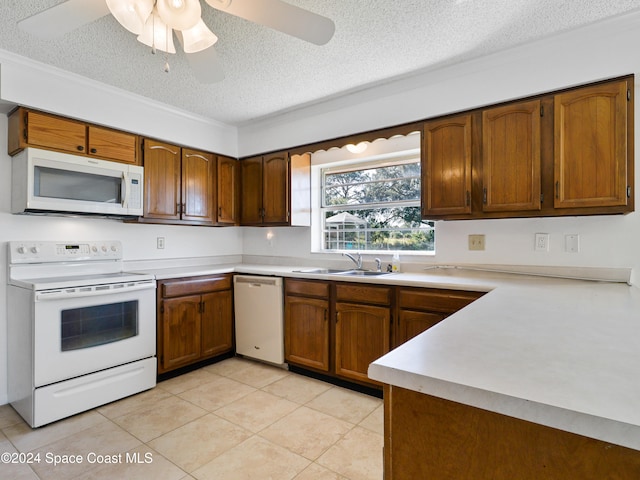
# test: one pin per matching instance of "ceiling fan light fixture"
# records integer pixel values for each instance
(197, 38)
(179, 14)
(131, 14)
(156, 34)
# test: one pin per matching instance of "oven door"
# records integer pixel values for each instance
(87, 329)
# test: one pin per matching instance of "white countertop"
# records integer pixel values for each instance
(561, 353)
(565, 354)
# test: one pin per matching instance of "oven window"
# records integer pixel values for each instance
(91, 326)
(68, 185)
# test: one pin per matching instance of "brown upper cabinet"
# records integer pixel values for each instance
(266, 186)
(29, 128)
(590, 147)
(228, 190)
(511, 157)
(179, 184)
(563, 153)
(446, 166)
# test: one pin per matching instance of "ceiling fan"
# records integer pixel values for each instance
(155, 21)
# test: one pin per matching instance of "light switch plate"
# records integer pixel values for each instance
(572, 243)
(476, 242)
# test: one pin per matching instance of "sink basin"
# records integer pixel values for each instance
(324, 271)
(363, 273)
(338, 271)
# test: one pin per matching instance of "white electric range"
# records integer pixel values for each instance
(81, 331)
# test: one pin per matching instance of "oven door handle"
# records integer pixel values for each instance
(93, 291)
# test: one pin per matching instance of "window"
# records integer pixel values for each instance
(374, 206)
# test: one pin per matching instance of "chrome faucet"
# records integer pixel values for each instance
(357, 261)
(378, 265)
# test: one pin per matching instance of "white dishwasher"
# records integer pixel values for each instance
(259, 318)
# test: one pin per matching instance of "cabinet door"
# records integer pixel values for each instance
(307, 332)
(113, 145)
(198, 186)
(446, 167)
(58, 133)
(590, 146)
(227, 190)
(411, 324)
(511, 157)
(300, 190)
(251, 179)
(180, 331)
(161, 180)
(362, 336)
(217, 323)
(275, 188)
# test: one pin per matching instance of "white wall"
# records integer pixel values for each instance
(600, 51)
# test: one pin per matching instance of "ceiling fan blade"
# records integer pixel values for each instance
(281, 16)
(63, 18)
(206, 65)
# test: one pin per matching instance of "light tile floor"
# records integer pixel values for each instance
(236, 419)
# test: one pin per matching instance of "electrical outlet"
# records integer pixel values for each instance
(542, 242)
(476, 242)
(160, 243)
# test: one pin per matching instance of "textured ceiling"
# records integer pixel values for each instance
(267, 72)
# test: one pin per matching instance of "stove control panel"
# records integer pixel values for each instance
(51, 251)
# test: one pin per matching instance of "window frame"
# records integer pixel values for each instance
(319, 173)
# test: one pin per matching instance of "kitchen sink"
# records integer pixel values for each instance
(337, 271)
(324, 271)
(363, 273)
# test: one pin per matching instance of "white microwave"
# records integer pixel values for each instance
(44, 181)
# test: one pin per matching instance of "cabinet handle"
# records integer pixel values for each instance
(94, 150)
(326, 315)
(557, 189)
(337, 317)
(219, 211)
(203, 307)
(160, 147)
(189, 155)
(484, 195)
(468, 198)
(178, 208)
(80, 148)
(183, 210)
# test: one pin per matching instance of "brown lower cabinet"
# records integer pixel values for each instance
(195, 320)
(362, 326)
(429, 437)
(339, 328)
(307, 332)
(421, 308)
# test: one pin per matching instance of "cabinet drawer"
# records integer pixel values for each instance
(307, 288)
(358, 293)
(448, 301)
(195, 285)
